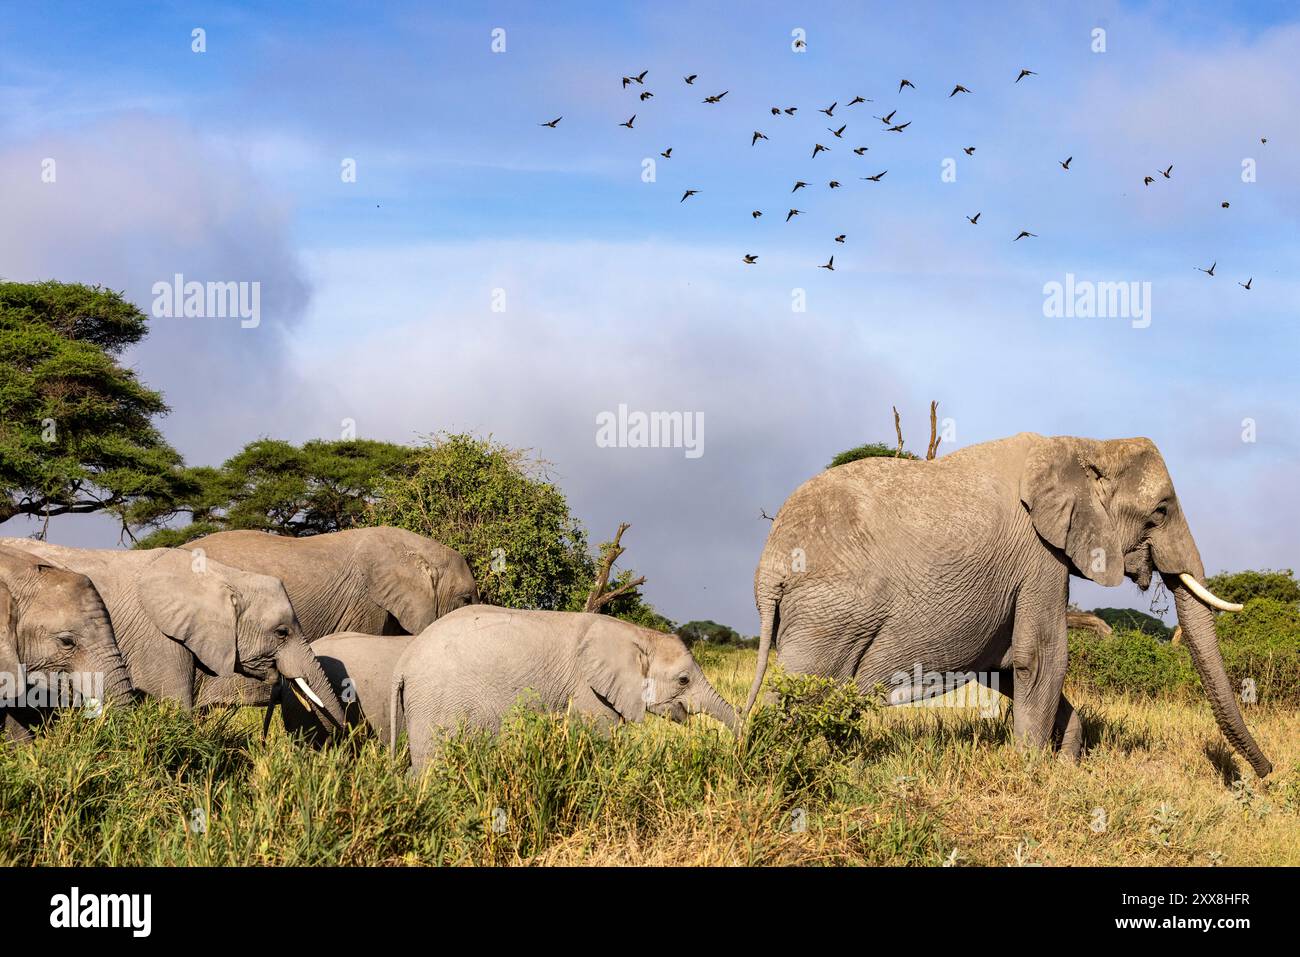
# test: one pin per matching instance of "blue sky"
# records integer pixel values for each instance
(377, 294)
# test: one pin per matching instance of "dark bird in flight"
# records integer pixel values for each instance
(1224, 204)
(798, 185)
(776, 111)
(1263, 139)
(668, 153)
(1147, 180)
(841, 237)
(1208, 272)
(861, 149)
(858, 99)
(640, 77)
(957, 89)
(553, 122)
(1165, 172)
(756, 213)
(899, 127)
(800, 44)
(1025, 73)
(750, 259)
(968, 150)
(876, 178)
(887, 119)
(628, 124)
(1023, 234)
(626, 81)
(793, 212)
(757, 136)
(830, 110)
(818, 148)
(974, 220)
(717, 97)
(688, 193)
(646, 95)
(690, 79)
(1246, 284)
(903, 83)
(834, 184)
(1066, 164)
(839, 134)
(830, 265)
(790, 110)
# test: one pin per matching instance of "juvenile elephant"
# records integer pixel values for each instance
(374, 581)
(886, 567)
(53, 628)
(181, 620)
(472, 666)
(360, 670)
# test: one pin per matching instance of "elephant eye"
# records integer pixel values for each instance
(684, 680)
(282, 632)
(66, 640)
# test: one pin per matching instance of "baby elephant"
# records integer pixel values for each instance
(359, 668)
(473, 664)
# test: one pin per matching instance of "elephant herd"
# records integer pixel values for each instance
(872, 572)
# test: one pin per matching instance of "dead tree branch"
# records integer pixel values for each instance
(933, 449)
(599, 597)
(898, 429)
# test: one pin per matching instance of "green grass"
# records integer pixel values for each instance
(824, 777)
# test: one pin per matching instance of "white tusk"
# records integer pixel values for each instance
(306, 689)
(1205, 595)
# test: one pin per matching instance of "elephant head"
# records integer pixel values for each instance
(235, 622)
(414, 578)
(1110, 509)
(53, 622)
(634, 670)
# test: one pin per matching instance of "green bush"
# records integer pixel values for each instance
(1131, 662)
(1128, 619)
(1261, 647)
(1240, 587)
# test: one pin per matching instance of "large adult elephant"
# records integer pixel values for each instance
(376, 581)
(182, 620)
(54, 629)
(958, 565)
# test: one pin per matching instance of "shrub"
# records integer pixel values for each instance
(1261, 650)
(1130, 662)
(1240, 587)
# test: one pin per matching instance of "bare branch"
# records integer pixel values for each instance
(898, 428)
(620, 590)
(597, 597)
(933, 449)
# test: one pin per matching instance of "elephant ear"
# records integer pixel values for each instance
(405, 585)
(615, 664)
(9, 663)
(1065, 490)
(195, 608)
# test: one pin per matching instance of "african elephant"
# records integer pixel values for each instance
(55, 636)
(181, 620)
(884, 567)
(472, 666)
(360, 670)
(375, 581)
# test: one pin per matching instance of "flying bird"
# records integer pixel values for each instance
(839, 134)
(640, 77)
(553, 122)
(626, 81)
(968, 150)
(1224, 204)
(628, 124)
(717, 97)
(791, 110)
(750, 259)
(690, 79)
(841, 237)
(818, 148)
(793, 212)
(887, 119)
(899, 127)
(1147, 180)
(687, 194)
(830, 110)
(800, 44)
(858, 99)
(1025, 73)
(1208, 272)
(1023, 234)
(974, 220)
(756, 213)
(668, 153)
(957, 89)
(903, 83)
(776, 111)
(1066, 164)
(834, 184)
(757, 136)
(861, 149)
(876, 178)
(646, 95)
(1165, 172)
(1246, 284)
(799, 184)
(830, 265)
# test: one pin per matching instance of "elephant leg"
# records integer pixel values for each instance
(1037, 659)
(1067, 730)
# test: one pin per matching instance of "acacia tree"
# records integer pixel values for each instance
(77, 431)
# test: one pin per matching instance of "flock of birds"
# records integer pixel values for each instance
(889, 126)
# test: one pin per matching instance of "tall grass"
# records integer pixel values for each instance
(825, 776)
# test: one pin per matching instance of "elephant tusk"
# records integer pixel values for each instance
(1205, 595)
(306, 689)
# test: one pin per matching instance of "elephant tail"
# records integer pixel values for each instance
(397, 710)
(767, 613)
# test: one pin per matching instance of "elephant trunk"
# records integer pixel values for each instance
(105, 662)
(715, 706)
(306, 678)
